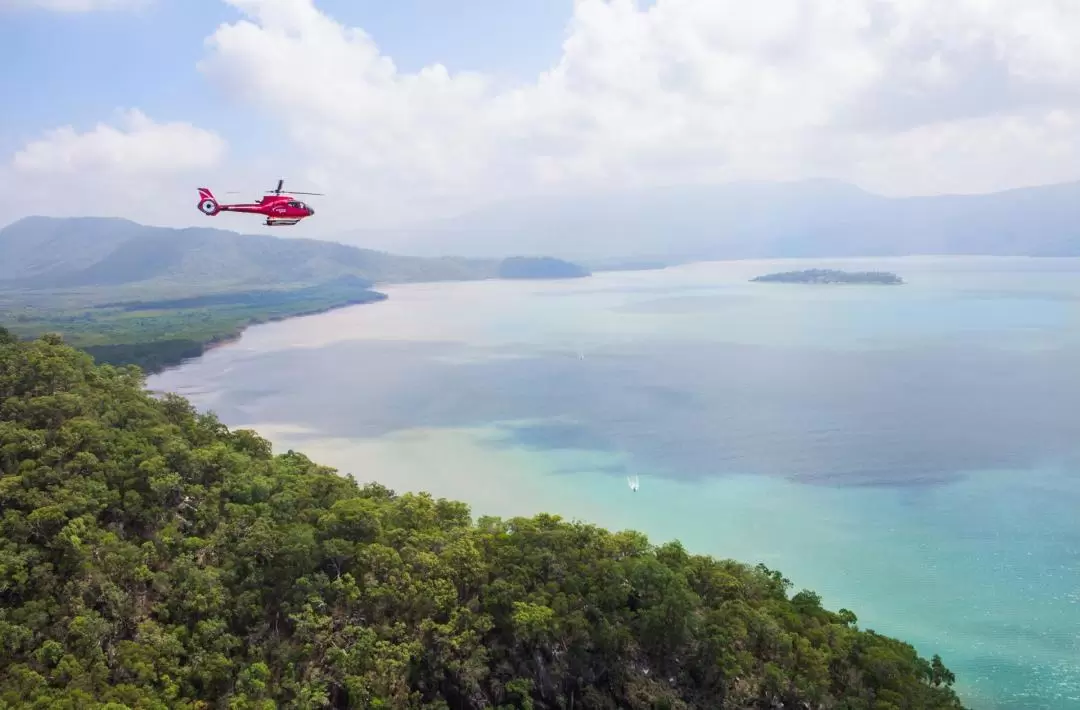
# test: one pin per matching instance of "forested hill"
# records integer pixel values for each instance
(154, 296)
(152, 558)
(48, 253)
(96, 254)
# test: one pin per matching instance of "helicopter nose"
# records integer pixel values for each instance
(310, 211)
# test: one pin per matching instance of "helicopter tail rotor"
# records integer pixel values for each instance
(208, 204)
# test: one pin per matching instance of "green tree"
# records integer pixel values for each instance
(152, 558)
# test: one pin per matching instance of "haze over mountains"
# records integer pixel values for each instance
(113, 255)
(814, 218)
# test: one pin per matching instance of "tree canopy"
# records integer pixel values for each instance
(152, 558)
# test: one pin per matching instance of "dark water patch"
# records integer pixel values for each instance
(878, 477)
(550, 436)
(904, 417)
(614, 470)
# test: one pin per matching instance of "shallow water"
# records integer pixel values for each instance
(911, 453)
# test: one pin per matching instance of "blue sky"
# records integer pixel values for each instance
(895, 96)
(77, 68)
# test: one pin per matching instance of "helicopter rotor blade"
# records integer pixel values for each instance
(278, 190)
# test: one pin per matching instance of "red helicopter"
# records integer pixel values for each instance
(279, 210)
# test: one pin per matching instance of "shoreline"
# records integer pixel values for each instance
(234, 337)
(378, 297)
(430, 463)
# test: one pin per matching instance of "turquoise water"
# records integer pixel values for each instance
(910, 453)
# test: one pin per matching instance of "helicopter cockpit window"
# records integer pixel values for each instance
(301, 205)
(294, 203)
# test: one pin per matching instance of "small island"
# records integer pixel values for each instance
(540, 267)
(832, 276)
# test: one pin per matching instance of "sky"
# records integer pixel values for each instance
(412, 110)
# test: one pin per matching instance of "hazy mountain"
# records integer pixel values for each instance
(531, 267)
(815, 218)
(110, 254)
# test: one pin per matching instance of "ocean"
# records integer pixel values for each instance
(911, 452)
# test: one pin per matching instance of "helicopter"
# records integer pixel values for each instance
(280, 210)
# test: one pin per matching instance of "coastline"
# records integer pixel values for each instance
(372, 297)
(233, 337)
(449, 464)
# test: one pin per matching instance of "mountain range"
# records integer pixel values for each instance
(49, 254)
(615, 229)
(812, 218)
(154, 296)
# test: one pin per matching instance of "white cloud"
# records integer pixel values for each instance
(903, 96)
(899, 96)
(131, 170)
(75, 5)
(141, 148)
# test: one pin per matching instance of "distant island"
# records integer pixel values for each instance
(540, 267)
(831, 276)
